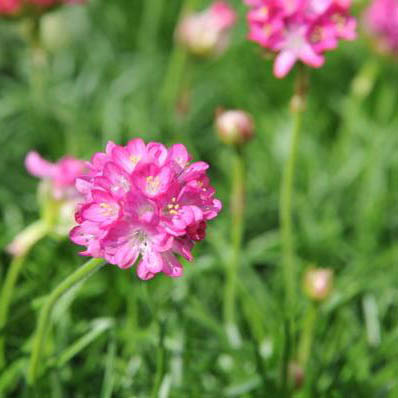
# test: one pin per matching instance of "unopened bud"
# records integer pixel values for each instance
(318, 283)
(234, 127)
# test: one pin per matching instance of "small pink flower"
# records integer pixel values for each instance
(299, 30)
(144, 201)
(381, 20)
(206, 33)
(12, 7)
(51, 3)
(61, 175)
(9, 7)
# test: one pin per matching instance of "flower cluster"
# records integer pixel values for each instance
(16, 7)
(381, 19)
(299, 30)
(206, 33)
(144, 200)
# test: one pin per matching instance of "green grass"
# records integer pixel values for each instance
(117, 336)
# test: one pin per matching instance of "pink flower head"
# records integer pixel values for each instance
(299, 30)
(61, 175)
(9, 7)
(51, 3)
(144, 200)
(206, 32)
(381, 19)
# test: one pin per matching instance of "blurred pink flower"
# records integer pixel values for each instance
(206, 32)
(61, 175)
(299, 30)
(9, 7)
(144, 200)
(381, 20)
(50, 3)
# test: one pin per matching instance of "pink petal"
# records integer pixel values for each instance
(310, 57)
(38, 166)
(284, 63)
(142, 271)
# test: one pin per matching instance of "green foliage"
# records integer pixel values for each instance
(105, 68)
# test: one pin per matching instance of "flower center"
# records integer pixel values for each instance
(317, 34)
(134, 159)
(122, 183)
(173, 207)
(107, 209)
(152, 184)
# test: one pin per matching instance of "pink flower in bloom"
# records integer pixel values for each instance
(61, 175)
(206, 32)
(144, 201)
(51, 3)
(299, 30)
(9, 7)
(12, 7)
(381, 19)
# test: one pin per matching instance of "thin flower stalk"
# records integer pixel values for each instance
(285, 209)
(45, 314)
(32, 235)
(237, 228)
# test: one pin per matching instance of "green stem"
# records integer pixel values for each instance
(21, 245)
(174, 76)
(38, 57)
(45, 314)
(172, 83)
(361, 86)
(150, 24)
(160, 359)
(307, 335)
(237, 216)
(285, 214)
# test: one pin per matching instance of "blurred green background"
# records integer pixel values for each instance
(106, 64)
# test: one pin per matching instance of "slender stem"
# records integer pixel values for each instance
(150, 24)
(176, 70)
(160, 359)
(237, 216)
(285, 214)
(38, 58)
(45, 314)
(307, 335)
(172, 82)
(20, 247)
(361, 86)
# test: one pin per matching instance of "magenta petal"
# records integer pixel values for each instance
(310, 57)
(126, 256)
(171, 266)
(157, 152)
(143, 272)
(180, 155)
(153, 261)
(38, 166)
(284, 63)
